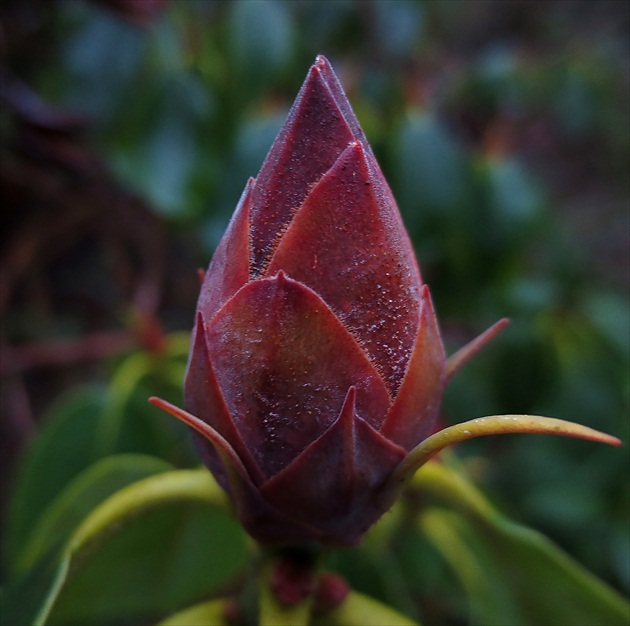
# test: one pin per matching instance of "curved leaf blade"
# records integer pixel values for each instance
(361, 609)
(512, 574)
(101, 480)
(112, 516)
(201, 614)
(492, 425)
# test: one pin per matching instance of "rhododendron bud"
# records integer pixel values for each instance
(316, 362)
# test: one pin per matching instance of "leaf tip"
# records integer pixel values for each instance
(455, 361)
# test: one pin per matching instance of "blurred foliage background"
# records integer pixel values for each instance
(129, 129)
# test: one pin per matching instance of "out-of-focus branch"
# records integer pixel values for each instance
(99, 345)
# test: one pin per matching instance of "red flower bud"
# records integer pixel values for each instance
(316, 360)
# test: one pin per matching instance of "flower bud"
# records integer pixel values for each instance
(316, 362)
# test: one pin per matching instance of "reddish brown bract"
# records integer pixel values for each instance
(316, 360)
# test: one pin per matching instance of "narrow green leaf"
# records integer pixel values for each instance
(492, 425)
(24, 599)
(164, 560)
(175, 486)
(360, 609)
(202, 614)
(148, 566)
(84, 493)
(93, 422)
(44, 472)
(180, 486)
(512, 574)
(125, 380)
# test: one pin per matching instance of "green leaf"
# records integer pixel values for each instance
(512, 574)
(360, 609)
(164, 560)
(45, 471)
(491, 425)
(127, 423)
(24, 599)
(201, 614)
(80, 496)
(95, 422)
(153, 546)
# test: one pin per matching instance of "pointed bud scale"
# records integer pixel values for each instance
(316, 361)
